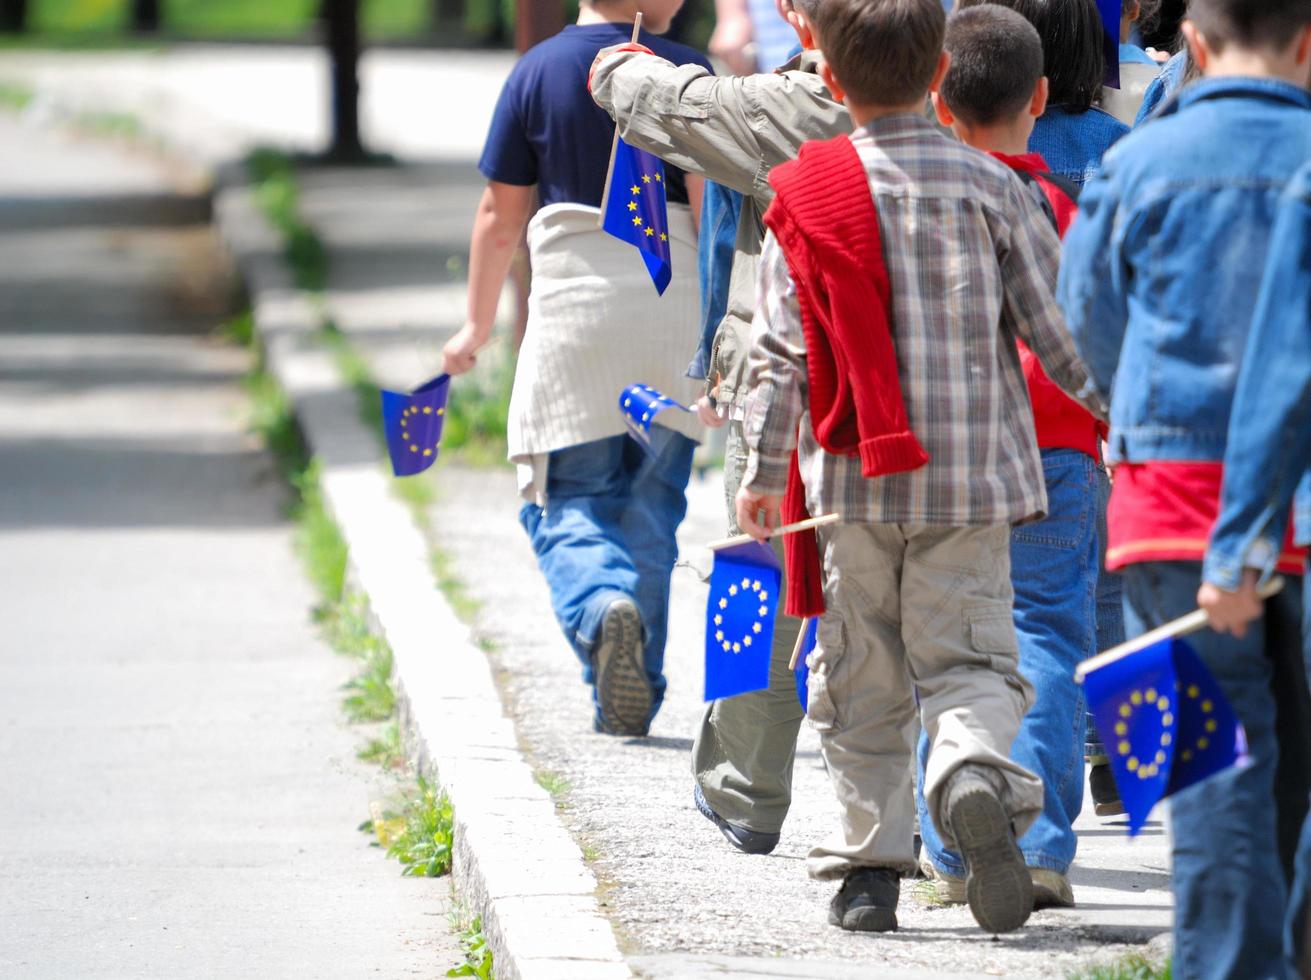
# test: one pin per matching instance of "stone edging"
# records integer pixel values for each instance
(515, 863)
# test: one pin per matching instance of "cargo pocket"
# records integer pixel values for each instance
(826, 660)
(990, 630)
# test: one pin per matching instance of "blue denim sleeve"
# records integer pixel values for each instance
(1269, 442)
(720, 210)
(1092, 290)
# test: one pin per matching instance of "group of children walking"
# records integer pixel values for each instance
(892, 346)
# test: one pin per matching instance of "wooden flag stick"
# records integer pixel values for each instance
(614, 146)
(786, 529)
(1194, 622)
(801, 642)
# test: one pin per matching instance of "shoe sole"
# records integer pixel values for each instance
(997, 887)
(756, 847)
(622, 687)
(866, 920)
(1112, 809)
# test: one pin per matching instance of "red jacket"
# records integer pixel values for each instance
(1060, 421)
(825, 221)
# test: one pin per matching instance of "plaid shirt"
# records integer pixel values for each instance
(972, 261)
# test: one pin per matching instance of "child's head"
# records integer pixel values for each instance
(657, 15)
(1252, 37)
(995, 86)
(801, 15)
(1074, 59)
(881, 54)
(1143, 13)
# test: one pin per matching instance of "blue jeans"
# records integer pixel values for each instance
(1110, 601)
(1054, 572)
(607, 533)
(1298, 925)
(1229, 891)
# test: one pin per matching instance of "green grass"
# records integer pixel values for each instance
(15, 97)
(278, 197)
(385, 749)
(478, 411)
(466, 606)
(421, 833)
(354, 370)
(477, 954)
(239, 18)
(369, 694)
(553, 782)
(318, 538)
(1134, 966)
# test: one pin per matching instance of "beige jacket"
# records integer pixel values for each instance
(733, 131)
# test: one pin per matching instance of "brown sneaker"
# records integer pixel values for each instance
(997, 884)
(1051, 889)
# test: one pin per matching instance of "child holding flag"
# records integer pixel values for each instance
(900, 268)
(1160, 277)
(733, 131)
(600, 510)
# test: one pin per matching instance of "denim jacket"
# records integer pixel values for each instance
(1270, 428)
(1163, 266)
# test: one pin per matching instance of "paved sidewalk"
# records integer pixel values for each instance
(181, 793)
(684, 904)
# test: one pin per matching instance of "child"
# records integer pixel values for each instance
(990, 98)
(1269, 452)
(917, 577)
(1138, 69)
(733, 131)
(601, 513)
(1160, 277)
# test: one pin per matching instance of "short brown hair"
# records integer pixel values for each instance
(996, 63)
(883, 52)
(1249, 24)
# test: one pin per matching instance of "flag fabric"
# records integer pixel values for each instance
(811, 626)
(1165, 723)
(636, 211)
(640, 404)
(413, 425)
(740, 614)
(1111, 11)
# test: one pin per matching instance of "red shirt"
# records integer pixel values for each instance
(1164, 511)
(1060, 421)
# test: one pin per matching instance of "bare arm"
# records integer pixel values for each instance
(733, 36)
(497, 230)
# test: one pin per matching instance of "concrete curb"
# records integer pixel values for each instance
(515, 863)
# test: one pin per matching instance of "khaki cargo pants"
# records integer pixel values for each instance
(743, 754)
(913, 610)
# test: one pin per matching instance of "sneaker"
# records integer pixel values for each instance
(997, 884)
(623, 692)
(746, 841)
(1105, 794)
(947, 888)
(867, 901)
(1051, 889)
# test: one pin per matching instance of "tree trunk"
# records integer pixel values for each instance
(13, 16)
(145, 16)
(342, 21)
(536, 20)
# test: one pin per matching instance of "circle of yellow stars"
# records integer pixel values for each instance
(416, 410)
(756, 592)
(632, 205)
(1151, 698)
(660, 403)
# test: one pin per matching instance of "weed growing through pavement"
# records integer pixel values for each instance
(385, 749)
(278, 197)
(419, 833)
(553, 782)
(1134, 966)
(477, 954)
(15, 97)
(369, 694)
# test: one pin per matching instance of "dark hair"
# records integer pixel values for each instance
(1074, 59)
(996, 62)
(883, 52)
(1249, 23)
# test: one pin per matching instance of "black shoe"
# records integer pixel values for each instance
(997, 884)
(1105, 794)
(867, 901)
(623, 693)
(746, 841)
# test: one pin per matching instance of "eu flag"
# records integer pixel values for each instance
(1110, 11)
(808, 641)
(636, 212)
(413, 424)
(640, 404)
(740, 617)
(1165, 723)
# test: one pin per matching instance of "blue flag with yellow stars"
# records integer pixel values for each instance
(640, 404)
(740, 615)
(1111, 11)
(811, 626)
(636, 212)
(413, 424)
(1165, 723)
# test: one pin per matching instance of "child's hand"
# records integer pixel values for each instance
(613, 49)
(757, 513)
(707, 413)
(1231, 612)
(461, 352)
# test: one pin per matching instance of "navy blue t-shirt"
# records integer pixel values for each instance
(546, 129)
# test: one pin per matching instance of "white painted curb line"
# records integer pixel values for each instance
(515, 863)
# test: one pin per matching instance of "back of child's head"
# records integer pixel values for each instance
(1249, 24)
(882, 52)
(996, 63)
(1074, 58)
